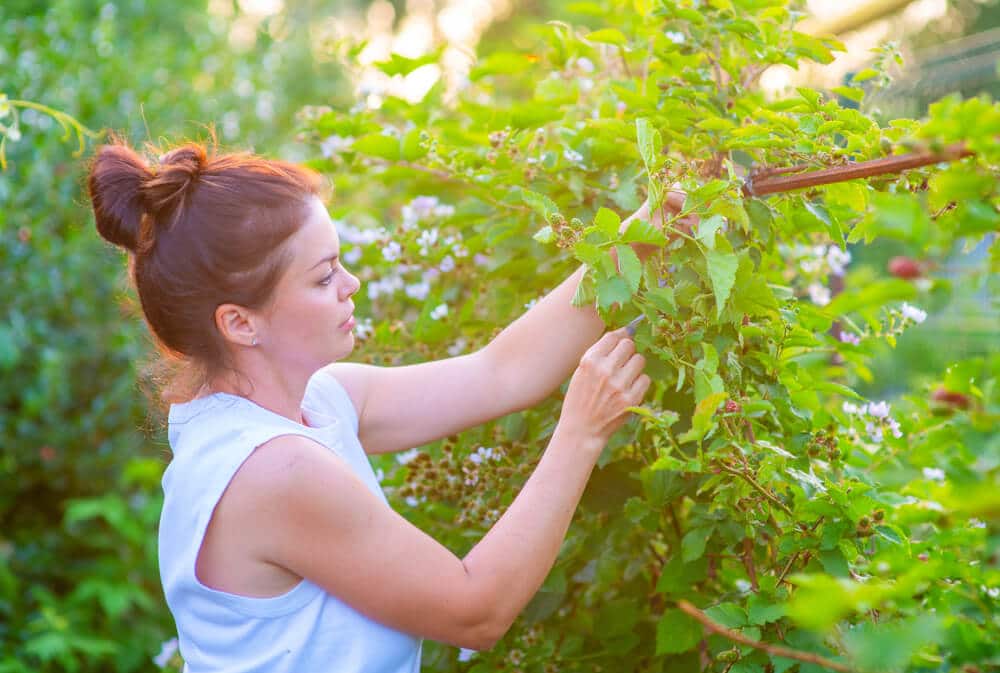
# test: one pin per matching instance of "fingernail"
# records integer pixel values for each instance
(631, 327)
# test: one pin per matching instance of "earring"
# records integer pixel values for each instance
(254, 342)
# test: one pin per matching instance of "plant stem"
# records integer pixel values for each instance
(763, 491)
(852, 171)
(775, 650)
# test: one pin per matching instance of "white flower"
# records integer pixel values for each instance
(411, 501)
(418, 291)
(458, 347)
(879, 409)
(14, 134)
(447, 264)
(427, 239)
(851, 408)
(743, 586)
(431, 274)
(465, 654)
(364, 329)
(819, 294)
(837, 259)
(586, 84)
(479, 259)
(440, 311)
(933, 473)
(585, 64)
(335, 145)
(573, 156)
(167, 650)
(848, 338)
(976, 523)
(894, 427)
(531, 303)
(809, 265)
(392, 251)
(444, 211)
(423, 206)
(620, 107)
(874, 431)
(675, 37)
(353, 255)
(406, 456)
(475, 458)
(460, 250)
(993, 592)
(913, 313)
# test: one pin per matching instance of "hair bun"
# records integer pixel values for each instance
(115, 183)
(179, 170)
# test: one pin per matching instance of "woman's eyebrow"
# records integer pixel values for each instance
(328, 258)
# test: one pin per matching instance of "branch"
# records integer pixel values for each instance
(763, 491)
(775, 650)
(852, 171)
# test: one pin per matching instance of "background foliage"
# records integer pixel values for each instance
(749, 488)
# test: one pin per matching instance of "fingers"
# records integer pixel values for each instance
(639, 387)
(627, 374)
(620, 354)
(607, 343)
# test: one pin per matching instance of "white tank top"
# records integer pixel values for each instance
(305, 630)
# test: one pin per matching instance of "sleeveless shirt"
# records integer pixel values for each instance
(305, 630)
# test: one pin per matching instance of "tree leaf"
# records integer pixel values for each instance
(676, 632)
(722, 271)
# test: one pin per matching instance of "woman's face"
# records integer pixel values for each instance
(310, 321)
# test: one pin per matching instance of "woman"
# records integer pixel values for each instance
(277, 549)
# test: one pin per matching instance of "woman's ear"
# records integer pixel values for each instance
(236, 324)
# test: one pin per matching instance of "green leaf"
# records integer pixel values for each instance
(663, 299)
(630, 266)
(701, 421)
(544, 235)
(693, 543)
(607, 221)
(707, 229)
(722, 270)
(586, 292)
(676, 632)
(540, 203)
(730, 615)
(761, 611)
(613, 290)
(897, 216)
(650, 143)
(378, 145)
(608, 36)
(641, 231)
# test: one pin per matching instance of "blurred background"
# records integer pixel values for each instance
(82, 456)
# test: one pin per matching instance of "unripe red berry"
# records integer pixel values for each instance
(732, 407)
(905, 267)
(951, 398)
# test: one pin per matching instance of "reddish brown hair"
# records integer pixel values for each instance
(202, 230)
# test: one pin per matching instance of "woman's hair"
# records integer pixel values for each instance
(202, 229)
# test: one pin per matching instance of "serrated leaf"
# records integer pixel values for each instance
(676, 632)
(722, 271)
(631, 267)
(707, 228)
(540, 203)
(611, 291)
(650, 143)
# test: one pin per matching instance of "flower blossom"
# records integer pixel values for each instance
(440, 311)
(933, 473)
(392, 251)
(837, 259)
(819, 294)
(913, 313)
(848, 338)
(335, 145)
(167, 650)
(573, 156)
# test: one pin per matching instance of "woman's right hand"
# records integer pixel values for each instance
(608, 379)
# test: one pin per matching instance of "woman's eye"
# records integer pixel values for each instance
(327, 280)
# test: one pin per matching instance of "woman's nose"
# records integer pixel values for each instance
(353, 286)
